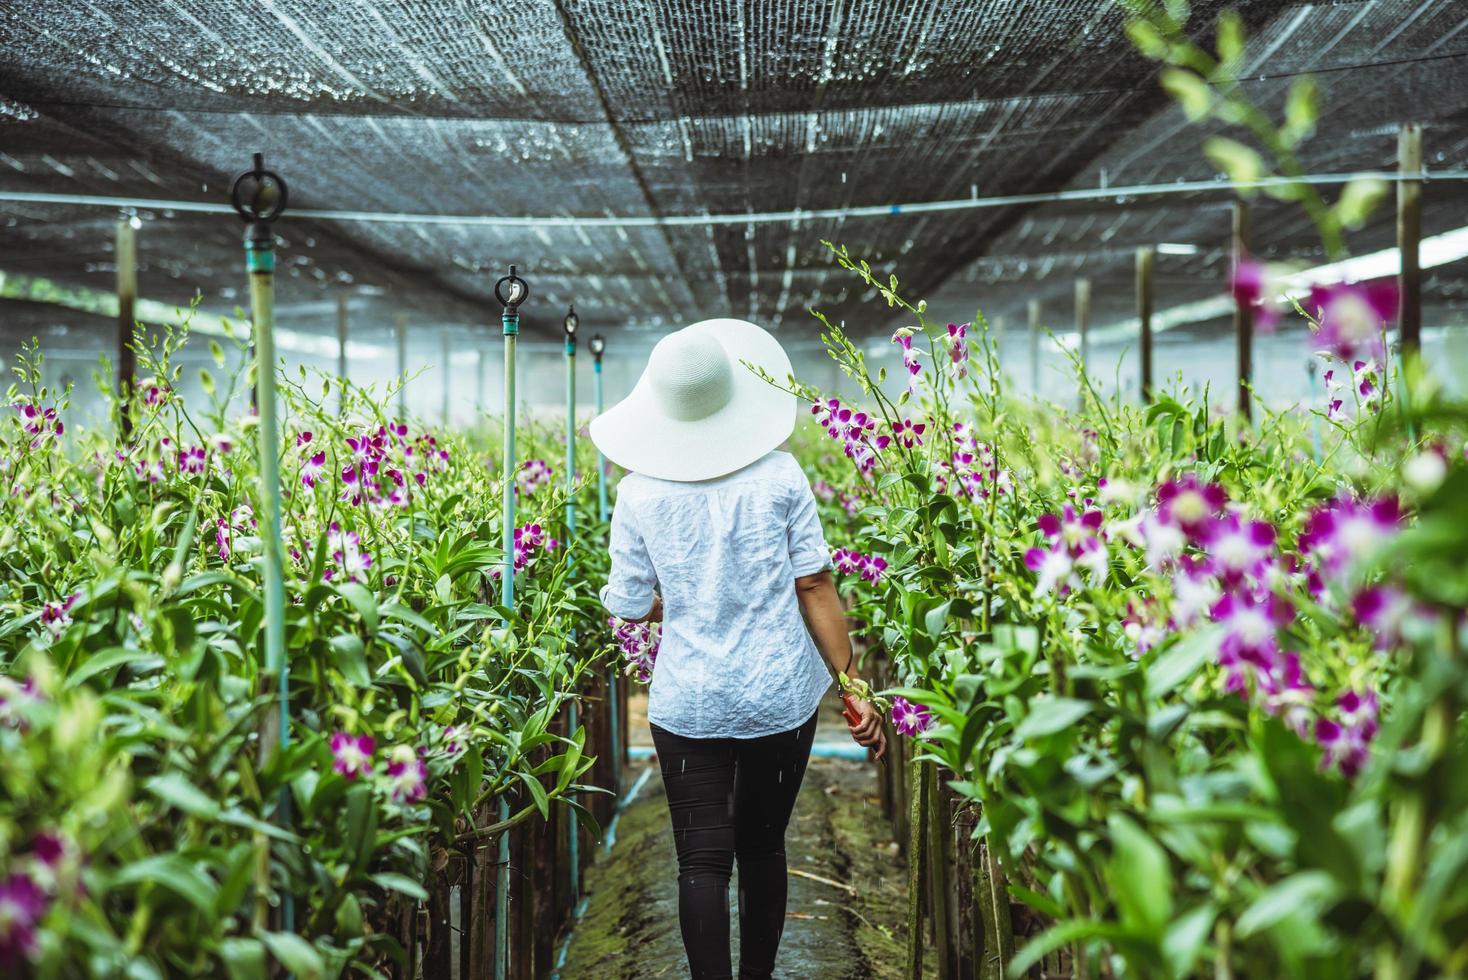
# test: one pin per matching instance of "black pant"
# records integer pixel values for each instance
(731, 798)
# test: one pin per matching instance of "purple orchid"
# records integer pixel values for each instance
(1342, 537)
(407, 774)
(1347, 741)
(1352, 316)
(1190, 504)
(22, 906)
(910, 719)
(352, 754)
(312, 469)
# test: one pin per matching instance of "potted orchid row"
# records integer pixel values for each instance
(1203, 683)
(152, 823)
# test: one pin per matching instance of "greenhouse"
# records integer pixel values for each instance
(811, 489)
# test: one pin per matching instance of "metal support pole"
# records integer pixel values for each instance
(1145, 256)
(1083, 328)
(481, 364)
(400, 324)
(613, 673)
(1243, 312)
(1409, 236)
(259, 196)
(127, 297)
(341, 354)
(1034, 312)
(510, 321)
(448, 375)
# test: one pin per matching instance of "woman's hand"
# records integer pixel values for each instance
(655, 614)
(867, 729)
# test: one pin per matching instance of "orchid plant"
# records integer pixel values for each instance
(1169, 659)
(141, 832)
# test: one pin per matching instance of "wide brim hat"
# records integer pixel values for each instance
(698, 412)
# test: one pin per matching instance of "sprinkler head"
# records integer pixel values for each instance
(259, 195)
(571, 322)
(511, 291)
(597, 344)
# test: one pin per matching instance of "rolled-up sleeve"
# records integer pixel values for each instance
(628, 593)
(808, 550)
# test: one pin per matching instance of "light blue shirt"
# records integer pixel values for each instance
(736, 659)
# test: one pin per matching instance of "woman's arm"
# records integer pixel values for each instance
(820, 604)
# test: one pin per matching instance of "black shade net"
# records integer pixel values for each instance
(591, 110)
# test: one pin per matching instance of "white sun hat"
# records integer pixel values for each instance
(698, 412)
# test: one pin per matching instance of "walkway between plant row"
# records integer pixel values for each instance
(848, 884)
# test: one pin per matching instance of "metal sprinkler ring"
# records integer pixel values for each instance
(511, 291)
(259, 195)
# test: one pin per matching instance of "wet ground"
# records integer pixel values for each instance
(847, 902)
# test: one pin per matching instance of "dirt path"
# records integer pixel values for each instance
(838, 833)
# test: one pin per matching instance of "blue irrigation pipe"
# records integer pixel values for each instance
(259, 197)
(573, 825)
(511, 291)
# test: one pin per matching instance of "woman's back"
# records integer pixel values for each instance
(724, 555)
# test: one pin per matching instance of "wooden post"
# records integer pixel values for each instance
(1243, 312)
(1083, 327)
(341, 353)
(939, 874)
(1144, 315)
(127, 297)
(1035, 348)
(401, 324)
(1409, 236)
(917, 872)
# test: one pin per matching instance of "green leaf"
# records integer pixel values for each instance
(395, 882)
(351, 658)
(1301, 111)
(1058, 935)
(176, 874)
(362, 600)
(1190, 92)
(1358, 199)
(1304, 890)
(295, 954)
(537, 792)
(1050, 715)
(1240, 163)
(1230, 37)
(1185, 938)
(1179, 662)
(1141, 876)
(244, 958)
(105, 660)
(175, 790)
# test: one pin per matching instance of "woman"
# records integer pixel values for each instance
(715, 534)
